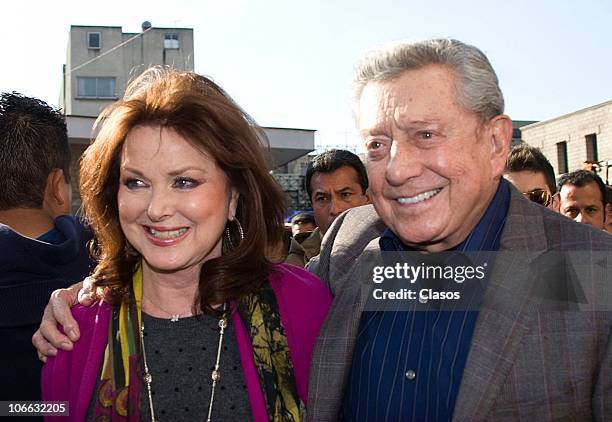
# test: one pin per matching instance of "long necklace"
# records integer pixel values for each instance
(215, 375)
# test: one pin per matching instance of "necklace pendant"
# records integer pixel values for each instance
(175, 318)
(148, 378)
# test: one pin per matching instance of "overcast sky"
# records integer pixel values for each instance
(289, 63)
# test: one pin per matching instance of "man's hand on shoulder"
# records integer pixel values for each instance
(48, 338)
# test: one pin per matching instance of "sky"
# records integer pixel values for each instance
(289, 63)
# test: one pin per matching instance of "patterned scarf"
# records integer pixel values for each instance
(259, 312)
(118, 395)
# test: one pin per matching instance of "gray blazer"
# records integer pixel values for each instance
(526, 362)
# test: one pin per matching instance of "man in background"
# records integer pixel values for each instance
(303, 222)
(336, 181)
(533, 175)
(582, 196)
(41, 247)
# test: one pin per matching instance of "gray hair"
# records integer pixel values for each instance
(477, 85)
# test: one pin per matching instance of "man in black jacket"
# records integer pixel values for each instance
(42, 248)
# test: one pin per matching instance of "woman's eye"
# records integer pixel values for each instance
(134, 183)
(185, 183)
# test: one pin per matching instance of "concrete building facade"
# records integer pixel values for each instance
(576, 140)
(101, 60)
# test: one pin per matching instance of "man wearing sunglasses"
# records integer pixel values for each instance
(532, 174)
(583, 198)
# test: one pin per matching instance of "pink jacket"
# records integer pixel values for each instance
(303, 302)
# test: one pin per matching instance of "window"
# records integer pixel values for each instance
(96, 87)
(171, 41)
(94, 40)
(516, 137)
(591, 147)
(562, 157)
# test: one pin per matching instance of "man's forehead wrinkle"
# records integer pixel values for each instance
(379, 122)
(385, 111)
(342, 188)
(403, 120)
(401, 111)
(387, 106)
(396, 110)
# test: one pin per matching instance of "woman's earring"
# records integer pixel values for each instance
(229, 235)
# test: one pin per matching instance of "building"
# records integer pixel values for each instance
(100, 62)
(516, 130)
(582, 139)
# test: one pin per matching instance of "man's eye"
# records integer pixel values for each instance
(374, 145)
(425, 135)
(134, 183)
(346, 194)
(185, 183)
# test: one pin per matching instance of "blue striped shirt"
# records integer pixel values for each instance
(407, 365)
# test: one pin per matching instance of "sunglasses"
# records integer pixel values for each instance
(539, 196)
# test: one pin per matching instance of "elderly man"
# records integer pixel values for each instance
(431, 117)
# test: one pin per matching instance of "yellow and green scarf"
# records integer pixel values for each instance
(259, 312)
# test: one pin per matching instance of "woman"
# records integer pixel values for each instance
(195, 321)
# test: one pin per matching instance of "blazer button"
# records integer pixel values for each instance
(410, 374)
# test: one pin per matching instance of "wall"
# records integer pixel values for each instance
(573, 129)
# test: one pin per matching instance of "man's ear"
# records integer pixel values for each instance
(500, 128)
(58, 194)
(556, 202)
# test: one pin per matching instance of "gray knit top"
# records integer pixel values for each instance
(181, 356)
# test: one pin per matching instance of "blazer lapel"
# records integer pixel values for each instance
(506, 312)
